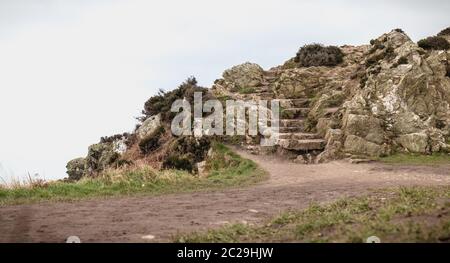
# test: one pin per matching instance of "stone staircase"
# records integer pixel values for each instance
(292, 134)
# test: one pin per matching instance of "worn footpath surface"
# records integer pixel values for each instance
(129, 219)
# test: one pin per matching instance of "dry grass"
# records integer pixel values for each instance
(227, 170)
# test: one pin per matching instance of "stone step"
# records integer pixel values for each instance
(302, 145)
(291, 129)
(292, 113)
(292, 123)
(298, 136)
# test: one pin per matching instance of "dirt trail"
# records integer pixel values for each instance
(129, 219)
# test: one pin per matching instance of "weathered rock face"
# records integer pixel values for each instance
(414, 142)
(76, 168)
(100, 156)
(244, 76)
(149, 126)
(385, 97)
(367, 127)
(400, 102)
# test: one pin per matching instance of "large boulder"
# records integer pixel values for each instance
(149, 126)
(414, 142)
(359, 146)
(244, 76)
(366, 127)
(333, 149)
(100, 156)
(76, 168)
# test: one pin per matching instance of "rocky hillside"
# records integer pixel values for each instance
(389, 96)
(356, 102)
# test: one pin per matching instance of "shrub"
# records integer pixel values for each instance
(151, 142)
(399, 30)
(319, 55)
(445, 32)
(402, 61)
(185, 152)
(162, 102)
(180, 162)
(113, 138)
(434, 43)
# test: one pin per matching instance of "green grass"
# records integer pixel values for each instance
(417, 159)
(227, 169)
(414, 214)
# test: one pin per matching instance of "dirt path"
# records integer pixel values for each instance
(129, 219)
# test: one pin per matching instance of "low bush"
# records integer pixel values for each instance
(186, 152)
(151, 142)
(434, 43)
(319, 55)
(113, 138)
(162, 102)
(402, 61)
(445, 32)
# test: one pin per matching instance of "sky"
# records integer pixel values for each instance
(74, 71)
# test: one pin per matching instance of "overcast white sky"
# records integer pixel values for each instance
(73, 71)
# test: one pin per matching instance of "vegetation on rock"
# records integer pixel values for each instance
(434, 43)
(162, 102)
(152, 141)
(185, 152)
(445, 32)
(319, 55)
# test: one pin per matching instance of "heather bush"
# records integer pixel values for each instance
(162, 102)
(186, 152)
(319, 55)
(434, 43)
(152, 141)
(445, 32)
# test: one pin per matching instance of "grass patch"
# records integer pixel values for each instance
(417, 159)
(414, 214)
(227, 169)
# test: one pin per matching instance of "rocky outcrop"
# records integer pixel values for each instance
(149, 126)
(76, 168)
(243, 76)
(100, 156)
(400, 102)
(384, 97)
